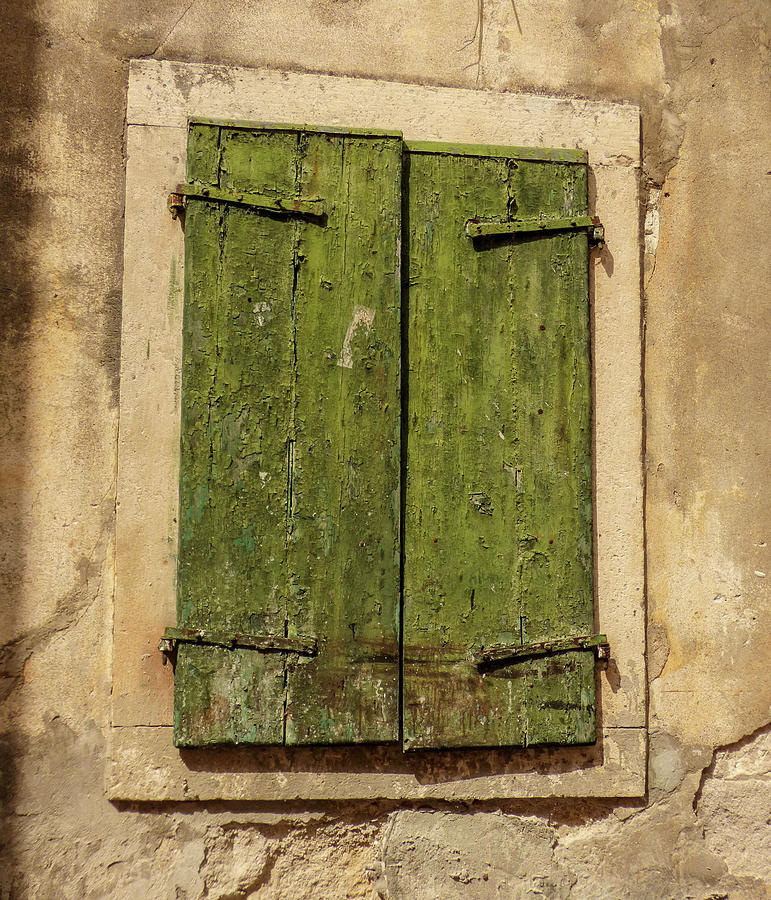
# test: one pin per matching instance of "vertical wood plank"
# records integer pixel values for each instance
(498, 499)
(235, 415)
(344, 542)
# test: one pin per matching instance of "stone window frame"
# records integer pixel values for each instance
(143, 764)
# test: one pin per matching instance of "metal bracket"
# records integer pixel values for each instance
(476, 228)
(503, 654)
(172, 637)
(289, 206)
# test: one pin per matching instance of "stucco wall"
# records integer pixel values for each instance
(700, 73)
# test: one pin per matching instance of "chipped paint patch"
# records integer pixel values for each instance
(262, 312)
(362, 316)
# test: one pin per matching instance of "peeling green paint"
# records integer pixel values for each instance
(174, 286)
(289, 460)
(497, 540)
(294, 335)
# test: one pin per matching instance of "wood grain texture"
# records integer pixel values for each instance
(498, 520)
(290, 440)
(344, 542)
(290, 496)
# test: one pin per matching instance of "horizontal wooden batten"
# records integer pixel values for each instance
(529, 154)
(310, 206)
(244, 125)
(502, 654)
(476, 228)
(304, 645)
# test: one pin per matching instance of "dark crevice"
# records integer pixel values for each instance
(292, 437)
(289, 485)
(476, 37)
(404, 372)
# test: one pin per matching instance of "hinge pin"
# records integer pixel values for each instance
(597, 236)
(176, 204)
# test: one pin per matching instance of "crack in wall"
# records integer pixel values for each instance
(708, 771)
(173, 28)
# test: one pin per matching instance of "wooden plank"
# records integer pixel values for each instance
(498, 491)
(290, 441)
(344, 543)
(227, 697)
(236, 412)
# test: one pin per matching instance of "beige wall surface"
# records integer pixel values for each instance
(700, 74)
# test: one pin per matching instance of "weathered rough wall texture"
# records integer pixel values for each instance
(700, 73)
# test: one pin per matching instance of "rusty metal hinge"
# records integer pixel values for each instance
(288, 206)
(503, 654)
(172, 637)
(476, 228)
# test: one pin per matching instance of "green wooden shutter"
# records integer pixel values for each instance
(288, 570)
(498, 518)
(288, 573)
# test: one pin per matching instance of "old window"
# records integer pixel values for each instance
(310, 489)
(163, 98)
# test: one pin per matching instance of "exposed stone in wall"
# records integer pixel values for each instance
(733, 805)
(700, 72)
(697, 837)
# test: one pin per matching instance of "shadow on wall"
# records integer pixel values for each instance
(19, 205)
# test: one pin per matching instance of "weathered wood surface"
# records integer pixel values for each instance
(344, 546)
(290, 440)
(498, 519)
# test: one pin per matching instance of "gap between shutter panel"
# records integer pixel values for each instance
(288, 524)
(498, 527)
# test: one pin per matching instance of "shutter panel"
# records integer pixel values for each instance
(289, 481)
(498, 518)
